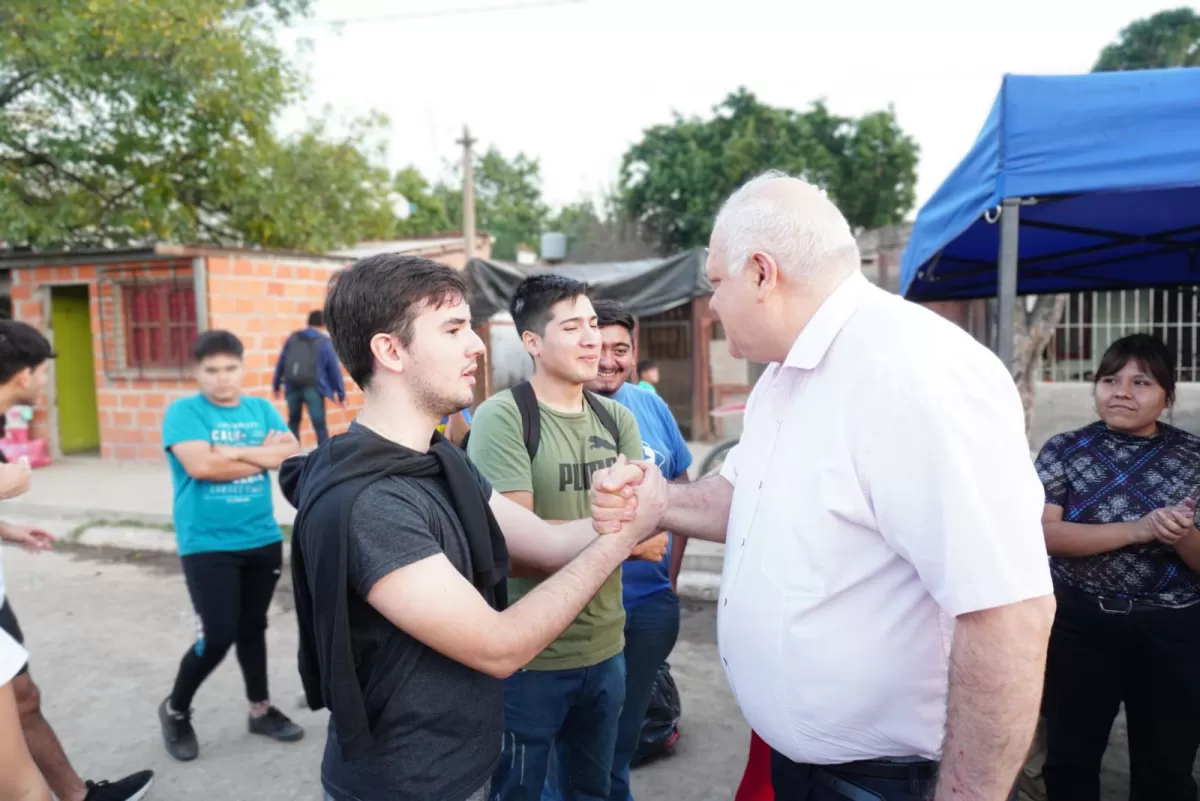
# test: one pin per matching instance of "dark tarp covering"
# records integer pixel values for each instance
(644, 288)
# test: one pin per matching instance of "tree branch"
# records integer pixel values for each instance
(1033, 332)
(16, 87)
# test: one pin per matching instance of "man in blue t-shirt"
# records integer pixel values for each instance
(220, 445)
(651, 606)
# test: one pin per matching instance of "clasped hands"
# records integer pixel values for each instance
(629, 499)
(1167, 525)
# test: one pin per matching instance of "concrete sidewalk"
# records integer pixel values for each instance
(90, 488)
(127, 505)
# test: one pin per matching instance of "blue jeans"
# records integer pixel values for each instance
(311, 397)
(579, 710)
(651, 628)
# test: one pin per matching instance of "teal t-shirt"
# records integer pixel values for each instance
(221, 515)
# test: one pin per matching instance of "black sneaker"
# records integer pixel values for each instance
(131, 788)
(276, 725)
(178, 734)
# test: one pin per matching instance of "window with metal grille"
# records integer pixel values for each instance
(160, 325)
(1094, 320)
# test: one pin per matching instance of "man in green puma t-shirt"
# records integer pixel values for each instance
(572, 693)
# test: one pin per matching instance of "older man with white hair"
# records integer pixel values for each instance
(886, 599)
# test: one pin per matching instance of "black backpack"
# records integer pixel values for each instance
(303, 357)
(531, 418)
(660, 727)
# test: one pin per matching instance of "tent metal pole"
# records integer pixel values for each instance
(1010, 226)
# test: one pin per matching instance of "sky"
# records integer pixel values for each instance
(575, 82)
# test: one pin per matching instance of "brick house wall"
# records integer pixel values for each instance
(260, 296)
(260, 299)
(263, 301)
(129, 405)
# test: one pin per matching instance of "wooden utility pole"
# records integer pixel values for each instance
(468, 192)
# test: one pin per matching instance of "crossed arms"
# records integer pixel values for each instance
(206, 462)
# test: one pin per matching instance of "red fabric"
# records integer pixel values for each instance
(756, 781)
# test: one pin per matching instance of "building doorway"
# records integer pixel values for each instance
(74, 370)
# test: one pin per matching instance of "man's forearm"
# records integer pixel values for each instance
(699, 510)
(220, 469)
(538, 618)
(267, 457)
(561, 541)
(997, 667)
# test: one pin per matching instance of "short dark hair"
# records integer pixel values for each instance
(537, 295)
(382, 295)
(316, 319)
(22, 347)
(646, 364)
(1151, 354)
(218, 343)
(610, 312)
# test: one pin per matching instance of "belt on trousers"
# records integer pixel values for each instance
(1115, 606)
(921, 770)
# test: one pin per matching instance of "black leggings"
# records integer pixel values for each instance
(231, 592)
(1147, 658)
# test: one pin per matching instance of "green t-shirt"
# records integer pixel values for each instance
(572, 447)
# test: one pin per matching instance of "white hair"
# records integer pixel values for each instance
(792, 221)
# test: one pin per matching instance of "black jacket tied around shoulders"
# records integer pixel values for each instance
(323, 487)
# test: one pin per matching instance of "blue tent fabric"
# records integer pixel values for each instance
(1110, 163)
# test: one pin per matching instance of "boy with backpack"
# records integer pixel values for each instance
(309, 373)
(539, 444)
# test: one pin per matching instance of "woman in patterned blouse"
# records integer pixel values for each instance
(1125, 551)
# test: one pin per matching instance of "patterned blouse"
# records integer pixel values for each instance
(1101, 476)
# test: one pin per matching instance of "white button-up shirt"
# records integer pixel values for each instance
(882, 487)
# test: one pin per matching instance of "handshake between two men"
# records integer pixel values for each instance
(629, 493)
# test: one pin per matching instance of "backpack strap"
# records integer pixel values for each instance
(531, 417)
(606, 419)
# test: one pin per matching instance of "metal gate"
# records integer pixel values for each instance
(667, 339)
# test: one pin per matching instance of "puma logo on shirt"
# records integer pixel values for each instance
(578, 477)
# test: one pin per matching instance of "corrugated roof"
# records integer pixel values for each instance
(375, 247)
(34, 258)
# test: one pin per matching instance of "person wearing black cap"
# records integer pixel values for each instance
(401, 549)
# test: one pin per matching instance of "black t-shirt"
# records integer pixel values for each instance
(444, 741)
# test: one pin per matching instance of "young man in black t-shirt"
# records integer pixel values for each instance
(406, 635)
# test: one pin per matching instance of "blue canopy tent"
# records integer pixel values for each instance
(1076, 182)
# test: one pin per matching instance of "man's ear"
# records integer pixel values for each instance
(532, 342)
(387, 352)
(765, 272)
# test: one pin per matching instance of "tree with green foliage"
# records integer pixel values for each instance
(508, 200)
(427, 209)
(1166, 39)
(673, 181)
(598, 234)
(314, 190)
(129, 122)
